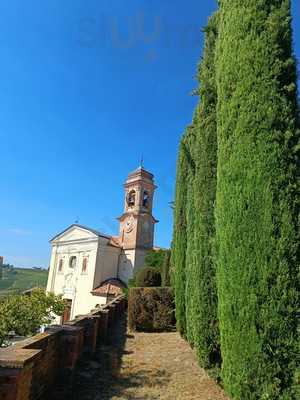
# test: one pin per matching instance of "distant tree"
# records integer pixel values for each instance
(8, 266)
(25, 314)
(155, 258)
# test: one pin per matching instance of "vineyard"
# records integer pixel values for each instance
(16, 280)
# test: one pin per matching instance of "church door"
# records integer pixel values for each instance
(67, 311)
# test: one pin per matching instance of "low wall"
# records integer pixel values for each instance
(29, 368)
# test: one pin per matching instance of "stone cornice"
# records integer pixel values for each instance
(75, 241)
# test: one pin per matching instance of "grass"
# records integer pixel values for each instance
(17, 280)
(148, 366)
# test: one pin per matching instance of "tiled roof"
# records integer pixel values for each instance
(141, 171)
(110, 287)
(115, 241)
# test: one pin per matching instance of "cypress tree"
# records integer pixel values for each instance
(257, 213)
(191, 285)
(202, 325)
(165, 273)
(180, 235)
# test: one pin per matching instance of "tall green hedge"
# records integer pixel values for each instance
(202, 324)
(197, 190)
(166, 267)
(257, 199)
(180, 234)
(190, 285)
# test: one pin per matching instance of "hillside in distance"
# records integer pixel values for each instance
(17, 280)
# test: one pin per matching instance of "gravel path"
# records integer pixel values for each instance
(144, 366)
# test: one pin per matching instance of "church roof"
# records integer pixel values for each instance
(141, 171)
(110, 287)
(115, 241)
(97, 233)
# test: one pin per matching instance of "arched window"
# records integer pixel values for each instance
(72, 262)
(131, 198)
(145, 199)
(84, 265)
(60, 265)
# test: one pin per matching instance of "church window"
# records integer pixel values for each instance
(60, 265)
(145, 199)
(84, 265)
(131, 198)
(73, 261)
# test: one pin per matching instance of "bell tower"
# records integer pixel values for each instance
(137, 222)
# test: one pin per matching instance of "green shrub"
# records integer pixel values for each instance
(155, 259)
(258, 199)
(148, 277)
(151, 309)
(131, 283)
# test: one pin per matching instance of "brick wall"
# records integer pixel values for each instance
(29, 368)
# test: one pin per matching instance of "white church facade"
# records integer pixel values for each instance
(87, 267)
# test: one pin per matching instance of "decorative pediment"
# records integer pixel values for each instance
(77, 233)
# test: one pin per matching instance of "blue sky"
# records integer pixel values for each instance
(86, 87)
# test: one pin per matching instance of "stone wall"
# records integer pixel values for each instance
(30, 368)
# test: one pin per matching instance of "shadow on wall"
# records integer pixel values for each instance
(126, 268)
(101, 377)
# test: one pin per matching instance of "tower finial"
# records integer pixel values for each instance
(142, 161)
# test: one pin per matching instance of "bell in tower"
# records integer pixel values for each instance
(137, 222)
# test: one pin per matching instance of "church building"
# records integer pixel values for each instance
(88, 267)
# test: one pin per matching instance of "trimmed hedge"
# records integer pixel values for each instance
(151, 309)
(258, 199)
